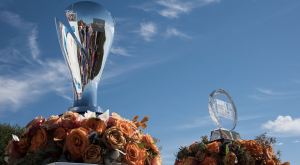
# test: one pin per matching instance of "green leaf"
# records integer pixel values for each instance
(51, 141)
(95, 118)
(217, 156)
(227, 150)
(242, 149)
(62, 156)
(141, 145)
(46, 161)
(148, 159)
(62, 160)
(53, 149)
(39, 152)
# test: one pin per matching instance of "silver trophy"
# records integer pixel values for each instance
(222, 111)
(85, 43)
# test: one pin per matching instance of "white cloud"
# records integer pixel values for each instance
(203, 121)
(248, 117)
(120, 50)
(175, 32)
(296, 141)
(265, 91)
(175, 7)
(148, 30)
(35, 52)
(279, 144)
(24, 87)
(283, 126)
(21, 83)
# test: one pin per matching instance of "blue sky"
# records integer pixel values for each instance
(166, 59)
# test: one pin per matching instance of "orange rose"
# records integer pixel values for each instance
(114, 138)
(271, 150)
(270, 162)
(24, 143)
(77, 142)
(213, 147)
(142, 157)
(52, 122)
(229, 159)
(286, 163)
(39, 140)
(254, 148)
(7, 149)
(70, 120)
(182, 161)
(125, 128)
(209, 161)
(91, 124)
(133, 152)
(92, 155)
(115, 117)
(191, 161)
(138, 135)
(60, 134)
(149, 143)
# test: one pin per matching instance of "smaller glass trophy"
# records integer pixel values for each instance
(222, 111)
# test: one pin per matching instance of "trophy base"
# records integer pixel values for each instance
(224, 135)
(83, 109)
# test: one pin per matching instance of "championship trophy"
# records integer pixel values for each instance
(85, 43)
(222, 111)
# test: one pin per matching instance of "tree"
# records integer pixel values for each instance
(6, 131)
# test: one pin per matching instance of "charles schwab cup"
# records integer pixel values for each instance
(85, 42)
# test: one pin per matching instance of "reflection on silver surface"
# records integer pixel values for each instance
(85, 45)
(220, 110)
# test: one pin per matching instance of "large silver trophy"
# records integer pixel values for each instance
(222, 111)
(85, 43)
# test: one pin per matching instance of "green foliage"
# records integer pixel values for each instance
(6, 131)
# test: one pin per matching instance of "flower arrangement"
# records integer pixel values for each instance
(238, 152)
(109, 140)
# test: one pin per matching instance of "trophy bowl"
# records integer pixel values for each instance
(85, 44)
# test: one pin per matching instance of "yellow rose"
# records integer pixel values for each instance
(77, 142)
(92, 155)
(114, 138)
(229, 159)
(39, 140)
